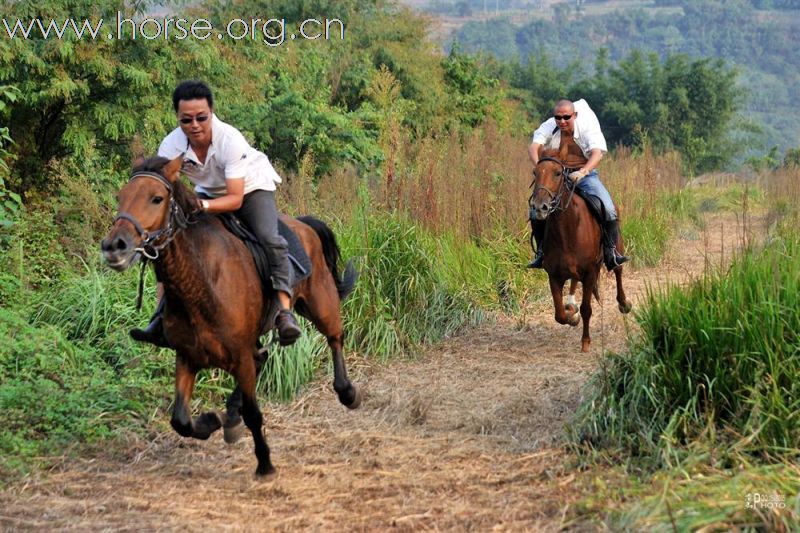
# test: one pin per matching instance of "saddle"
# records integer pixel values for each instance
(298, 258)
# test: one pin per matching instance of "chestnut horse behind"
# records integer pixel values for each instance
(572, 243)
(215, 308)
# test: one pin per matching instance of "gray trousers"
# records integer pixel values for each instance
(260, 214)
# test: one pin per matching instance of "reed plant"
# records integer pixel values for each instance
(716, 360)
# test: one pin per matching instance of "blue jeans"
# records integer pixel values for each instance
(591, 185)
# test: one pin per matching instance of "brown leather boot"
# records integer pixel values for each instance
(288, 330)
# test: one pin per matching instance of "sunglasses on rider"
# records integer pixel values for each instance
(187, 120)
(562, 117)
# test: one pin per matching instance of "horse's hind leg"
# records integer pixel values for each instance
(204, 425)
(623, 303)
(321, 306)
(589, 283)
(253, 419)
(349, 394)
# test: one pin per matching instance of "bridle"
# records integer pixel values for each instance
(153, 242)
(555, 197)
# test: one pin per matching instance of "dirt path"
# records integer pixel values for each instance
(464, 436)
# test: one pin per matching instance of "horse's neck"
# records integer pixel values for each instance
(181, 269)
(563, 225)
(570, 153)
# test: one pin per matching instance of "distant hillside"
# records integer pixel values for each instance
(756, 36)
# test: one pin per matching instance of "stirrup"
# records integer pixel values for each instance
(537, 261)
(288, 330)
(616, 261)
(153, 333)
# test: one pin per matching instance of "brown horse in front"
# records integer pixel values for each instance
(572, 249)
(215, 309)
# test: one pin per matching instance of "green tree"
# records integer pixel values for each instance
(474, 91)
(678, 103)
(78, 95)
(792, 158)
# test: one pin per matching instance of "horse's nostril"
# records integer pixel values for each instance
(120, 245)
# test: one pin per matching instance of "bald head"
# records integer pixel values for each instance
(564, 107)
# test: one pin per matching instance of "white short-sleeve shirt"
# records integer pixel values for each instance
(588, 135)
(230, 156)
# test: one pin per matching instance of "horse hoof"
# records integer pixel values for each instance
(571, 308)
(356, 403)
(234, 432)
(574, 319)
(266, 474)
(206, 424)
(625, 308)
(585, 346)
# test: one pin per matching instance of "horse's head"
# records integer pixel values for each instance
(147, 206)
(548, 186)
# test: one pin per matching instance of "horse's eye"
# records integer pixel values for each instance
(158, 199)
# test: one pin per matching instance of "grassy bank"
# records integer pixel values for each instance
(702, 410)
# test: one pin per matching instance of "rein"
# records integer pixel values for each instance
(555, 198)
(154, 242)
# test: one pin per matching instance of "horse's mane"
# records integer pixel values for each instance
(185, 197)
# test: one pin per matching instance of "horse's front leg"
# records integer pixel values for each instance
(246, 377)
(571, 306)
(557, 289)
(204, 425)
(232, 424)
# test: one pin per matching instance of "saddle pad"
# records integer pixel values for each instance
(594, 204)
(300, 264)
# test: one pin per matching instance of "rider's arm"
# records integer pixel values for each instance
(594, 159)
(533, 152)
(541, 137)
(232, 200)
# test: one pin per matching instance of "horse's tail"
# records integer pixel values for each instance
(345, 283)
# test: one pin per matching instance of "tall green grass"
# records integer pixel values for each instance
(716, 362)
(402, 298)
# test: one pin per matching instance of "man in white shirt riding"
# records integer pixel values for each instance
(578, 120)
(229, 175)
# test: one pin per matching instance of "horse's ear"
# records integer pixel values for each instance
(172, 170)
(550, 153)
